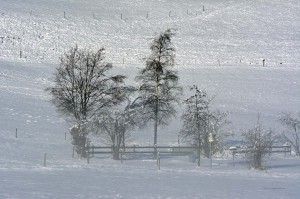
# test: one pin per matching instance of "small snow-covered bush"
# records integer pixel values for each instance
(260, 141)
(78, 140)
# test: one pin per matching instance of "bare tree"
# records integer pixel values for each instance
(159, 90)
(259, 144)
(292, 133)
(82, 88)
(113, 125)
(219, 127)
(199, 121)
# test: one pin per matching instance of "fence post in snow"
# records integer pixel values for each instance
(80, 155)
(158, 160)
(233, 154)
(73, 151)
(45, 156)
(64, 15)
(88, 154)
(16, 132)
(93, 150)
(285, 149)
(121, 150)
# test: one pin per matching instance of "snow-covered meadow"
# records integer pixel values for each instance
(220, 49)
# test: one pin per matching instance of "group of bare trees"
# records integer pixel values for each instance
(93, 99)
(82, 88)
(88, 94)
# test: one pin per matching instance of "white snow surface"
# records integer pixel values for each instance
(220, 49)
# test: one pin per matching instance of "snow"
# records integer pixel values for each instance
(221, 50)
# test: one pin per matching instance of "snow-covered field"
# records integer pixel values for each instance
(220, 49)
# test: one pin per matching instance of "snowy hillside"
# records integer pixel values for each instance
(220, 47)
(226, 32)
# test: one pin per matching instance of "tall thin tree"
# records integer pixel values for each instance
(159, 90)
(195, 118)
(199, 121)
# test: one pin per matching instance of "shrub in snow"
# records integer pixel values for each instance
(260, 141)
(78, 140)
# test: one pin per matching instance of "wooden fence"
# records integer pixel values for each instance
(274, 149)
(190, 151)
(172, 150)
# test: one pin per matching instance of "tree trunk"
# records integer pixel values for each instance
(156, 111)
(155, 126)
(116, 154)
(199, 152)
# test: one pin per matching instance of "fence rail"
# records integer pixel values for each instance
(142, 149)
(273, 149)
(172, 150)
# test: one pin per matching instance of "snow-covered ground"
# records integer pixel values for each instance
(227, 33)
(178, 178)
(220, 49)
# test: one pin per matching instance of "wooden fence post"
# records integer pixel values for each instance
(121, 155)
(233, 154)
(45, 156)
(158, 160)
(93, 150)
(88, 152)
(199, 155)
(80, 155)
(73, 151)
